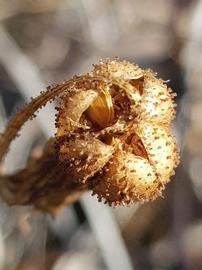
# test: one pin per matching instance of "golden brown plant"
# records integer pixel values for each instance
(113, 137)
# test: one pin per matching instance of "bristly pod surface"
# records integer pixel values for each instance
(114, 133)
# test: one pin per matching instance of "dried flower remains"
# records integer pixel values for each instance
(113, 136)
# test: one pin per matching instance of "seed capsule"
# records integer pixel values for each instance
(123, 126)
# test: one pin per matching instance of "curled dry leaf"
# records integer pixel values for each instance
(113, 136)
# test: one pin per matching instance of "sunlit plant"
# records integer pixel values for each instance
(113, 136)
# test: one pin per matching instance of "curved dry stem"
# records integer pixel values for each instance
(25, 113)
(42, 183)
(28, 111)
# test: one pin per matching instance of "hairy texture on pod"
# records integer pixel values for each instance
(128, 178)
(85, 155)
(115, 133)
(113, 136)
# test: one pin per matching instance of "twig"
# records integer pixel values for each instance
(42, 183)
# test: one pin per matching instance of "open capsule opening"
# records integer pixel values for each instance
(101, 111)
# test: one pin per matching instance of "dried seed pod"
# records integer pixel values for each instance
(123, 125)
(113, 137)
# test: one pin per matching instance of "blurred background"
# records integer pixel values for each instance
(42, 42)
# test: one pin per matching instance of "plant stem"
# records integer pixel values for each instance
(42, 183)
